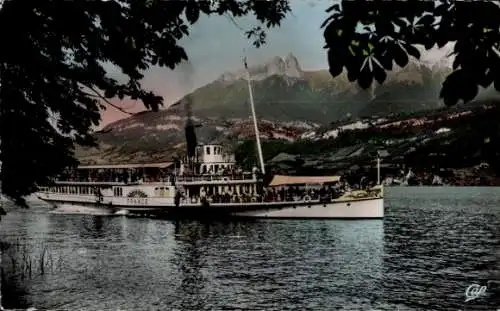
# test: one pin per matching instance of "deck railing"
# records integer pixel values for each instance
(235, 177)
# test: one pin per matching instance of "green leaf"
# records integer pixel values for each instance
(335, 60)
(110, 93)
(365, 79)
(379, 74)
(400, 56)
(334, 7)
(192, 12)
(458, 86)
(413, 51)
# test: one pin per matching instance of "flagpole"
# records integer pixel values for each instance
(256, 128)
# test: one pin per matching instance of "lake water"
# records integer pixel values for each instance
(433, 244)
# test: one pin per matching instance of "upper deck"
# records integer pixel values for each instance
(206, 154)
(211, 159)
(242, 178)
(118, 174)
(212, 164)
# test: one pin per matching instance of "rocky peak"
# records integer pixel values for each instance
(288, 67)
(292, 66)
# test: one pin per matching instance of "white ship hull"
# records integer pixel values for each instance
(353, 209)
(363, 208)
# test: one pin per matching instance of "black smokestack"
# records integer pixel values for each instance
(191, 141)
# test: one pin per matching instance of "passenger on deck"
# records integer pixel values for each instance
(177, 199)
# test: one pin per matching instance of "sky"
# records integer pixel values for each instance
(216, 45)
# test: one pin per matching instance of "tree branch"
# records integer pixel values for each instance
(232, 20)
(98, 95)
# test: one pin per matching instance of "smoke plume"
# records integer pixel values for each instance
(187, 73)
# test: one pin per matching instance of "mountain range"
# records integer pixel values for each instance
(288, 101)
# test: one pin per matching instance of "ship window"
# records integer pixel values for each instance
(208, 150)
(118, 191)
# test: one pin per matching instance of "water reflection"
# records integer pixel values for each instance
(232, 262)
(430, 247)
(190, 262)
(92, 227)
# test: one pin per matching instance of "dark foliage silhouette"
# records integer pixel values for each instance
(52, 73)
(367, 38)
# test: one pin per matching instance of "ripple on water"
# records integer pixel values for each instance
(433, 243)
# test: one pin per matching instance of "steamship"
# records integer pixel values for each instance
(208, 183)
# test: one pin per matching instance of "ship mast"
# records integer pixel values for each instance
(378, 170)
(256, 128)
